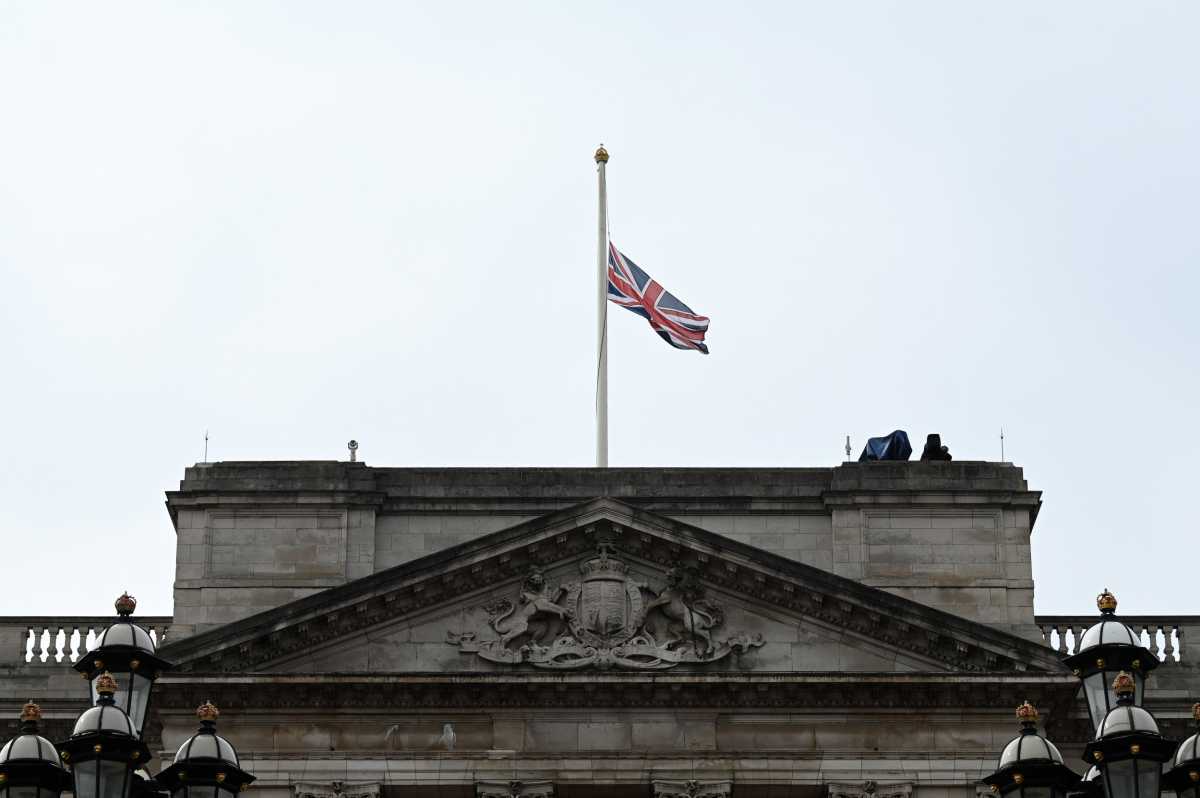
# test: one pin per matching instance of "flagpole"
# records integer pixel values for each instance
(601, 318)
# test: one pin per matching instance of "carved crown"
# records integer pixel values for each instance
(603, 564)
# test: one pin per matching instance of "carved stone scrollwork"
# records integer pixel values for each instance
(337, 789)
(871, 789)
(692, 789)
(514, 789)
(604, 620)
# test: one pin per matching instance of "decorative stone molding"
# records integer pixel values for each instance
(337, 789)
(692, 789)
(514, 789)
(603, 621)
(871, 789)
(958, 644)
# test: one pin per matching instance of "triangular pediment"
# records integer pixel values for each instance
(604, 585)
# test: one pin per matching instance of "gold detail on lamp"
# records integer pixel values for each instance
(1196, 712)
(106, 684)
(208, 711)
(1135, 748)
(3, 778)
(1106, 601)
(66, 757)
(1100, 663)
(1027, 713)
(1098, 756)
(1018, 778)
(1124, 684)
(220, 778)
(601, 154)
(1194, 775)
(136, 755)
(97, 748)
(31, 711)
(97, 664)
(1137, 664)
(125, 604)
(134, 664)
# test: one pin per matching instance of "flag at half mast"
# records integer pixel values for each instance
(633, 289)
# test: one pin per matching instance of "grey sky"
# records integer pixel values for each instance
(297, 223)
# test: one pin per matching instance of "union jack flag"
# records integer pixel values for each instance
(633, 289)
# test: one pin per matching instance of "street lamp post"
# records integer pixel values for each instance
(1184, 775)
(1030, 765)
(106, 754)
(1128, 749)
(30, 766)
(126, 651)
(1107, 648)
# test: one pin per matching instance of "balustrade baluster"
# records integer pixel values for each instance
(1152, 631)
(55, 649)
(1062, 640)
(37, 644)
(1168, 643)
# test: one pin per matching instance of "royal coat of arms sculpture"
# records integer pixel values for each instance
(601, 621)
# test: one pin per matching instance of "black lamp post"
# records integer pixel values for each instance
(29, 764)
(206, 765)
(105, 749)
(1128, 750)
(127, 651)
(1106, 649)
(1030, 765)
(1184, 775)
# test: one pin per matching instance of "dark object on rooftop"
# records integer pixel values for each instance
(934, 449)
(889, 447)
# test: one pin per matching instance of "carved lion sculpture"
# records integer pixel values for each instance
(689, 617)
(536, 599)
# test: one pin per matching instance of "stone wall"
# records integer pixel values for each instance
(254, 536)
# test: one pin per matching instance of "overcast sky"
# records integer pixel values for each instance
(294, 223)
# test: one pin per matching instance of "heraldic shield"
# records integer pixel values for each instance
(605, 608)
(604, 615)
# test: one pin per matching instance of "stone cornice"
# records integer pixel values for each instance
(419, 692)
(939, 637)
(545, 489)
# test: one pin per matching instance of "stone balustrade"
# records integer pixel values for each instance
(1172, 638)
(60, 641)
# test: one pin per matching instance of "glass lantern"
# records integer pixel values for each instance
(1184, 775)
(104, 750)
(1128, 750)
(127, 651)
(1030, 765)
(30, 766)
(206, 765)
(1106, 649)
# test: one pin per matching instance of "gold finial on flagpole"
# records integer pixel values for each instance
(601, 154)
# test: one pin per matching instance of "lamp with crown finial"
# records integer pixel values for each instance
(127, 650)
(1031, 766)
(1128, 749)
(601, 154)
(29, 763)
(206, 765)
(1184, 775)
(105, 750)
(1105, 649)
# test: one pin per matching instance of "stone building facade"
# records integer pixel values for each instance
(863, 630)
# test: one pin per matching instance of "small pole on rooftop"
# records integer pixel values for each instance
(848, 450)
(353, 447)
(1002, 460)
(205, 446)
